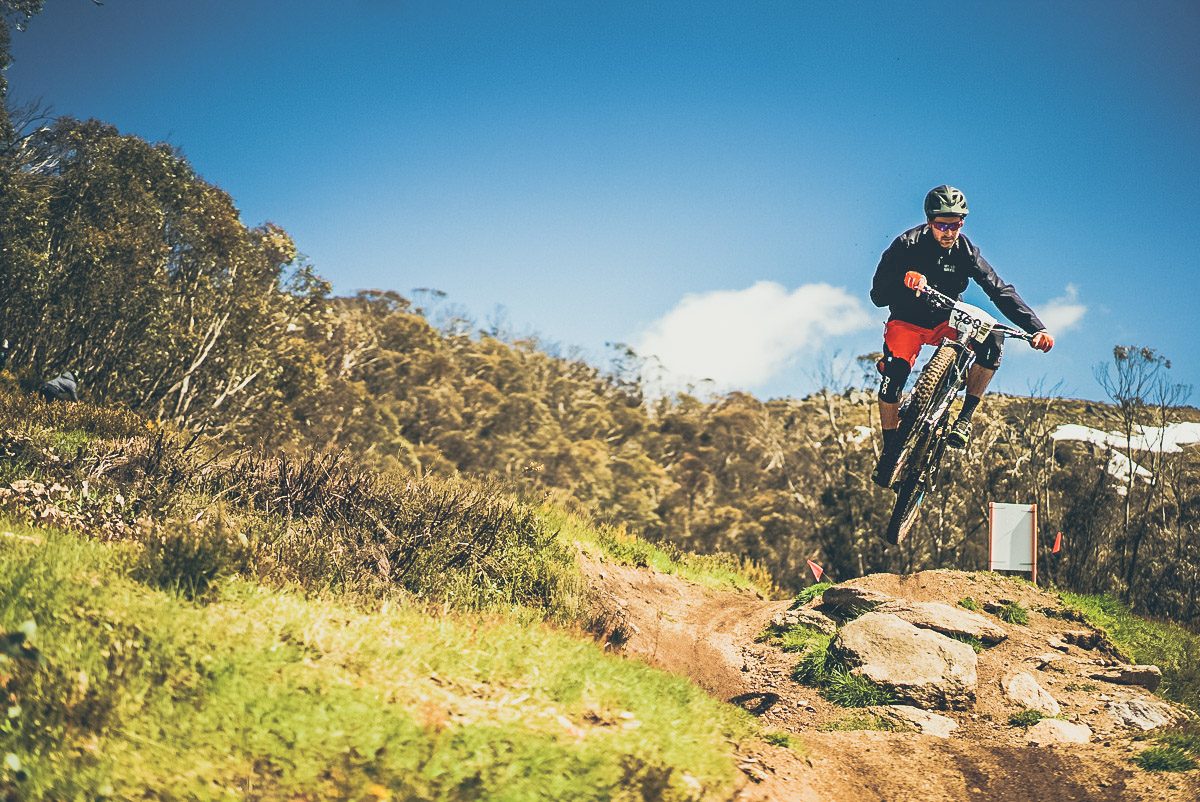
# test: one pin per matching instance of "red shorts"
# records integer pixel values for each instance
(904, 340)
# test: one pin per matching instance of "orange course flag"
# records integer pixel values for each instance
(816, 569)
(1057, 543)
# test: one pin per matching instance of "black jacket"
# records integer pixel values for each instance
(948, 271)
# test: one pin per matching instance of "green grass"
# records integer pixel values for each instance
(710, 570)
(1172, 648)
(811, 592)
(970, 604)
(1026, 718)
(801, 639)
(816, 664)
(270, 693)
(975, 643)
(1177, 749)
(854, 690)
(1087, 687)
(1164, 758)
(820, 669)
(1014, 613)
(786, 740)
(857, 723)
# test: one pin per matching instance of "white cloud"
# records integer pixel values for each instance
(743, 338)
(1063, 314)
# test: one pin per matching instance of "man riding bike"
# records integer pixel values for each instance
(936, 255)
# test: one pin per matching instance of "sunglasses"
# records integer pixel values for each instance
(948, 226)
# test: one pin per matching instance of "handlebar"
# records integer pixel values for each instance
(940, 300)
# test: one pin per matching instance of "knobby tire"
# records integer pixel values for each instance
(916, 442)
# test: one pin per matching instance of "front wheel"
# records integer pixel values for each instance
(918, 438)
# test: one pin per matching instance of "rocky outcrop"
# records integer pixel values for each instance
(919, 666)
(848, 600)
(1052, 731)
(1025, 691)
(1147, 677)
(945, 619)
(1139, 714)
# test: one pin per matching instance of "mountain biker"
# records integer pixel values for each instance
(937, 255)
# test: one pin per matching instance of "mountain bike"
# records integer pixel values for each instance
(925, 417)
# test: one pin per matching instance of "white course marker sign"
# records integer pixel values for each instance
(1014, 538)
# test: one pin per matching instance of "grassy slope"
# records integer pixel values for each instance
(1171, 647)
(269, 693)
(261, 687)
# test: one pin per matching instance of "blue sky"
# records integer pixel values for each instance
(712, 182)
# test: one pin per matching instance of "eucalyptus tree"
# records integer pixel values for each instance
(140, 276)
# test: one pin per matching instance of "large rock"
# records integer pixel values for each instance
(1052, 731)
(846, 600)
(1147, 677)
(1025, 691)
(945, 619)
(916, 718)
(919, 666)
(1140, 714)
(1083, 638)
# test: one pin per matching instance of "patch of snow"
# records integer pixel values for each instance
(1165, 439)
(1119, 467)
(861, 433)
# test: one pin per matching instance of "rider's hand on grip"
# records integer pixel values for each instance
(1042, 341)
(915, 281)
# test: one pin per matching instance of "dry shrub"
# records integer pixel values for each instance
(192, 558)
(469, 543)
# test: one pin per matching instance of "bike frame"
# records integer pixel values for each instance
(925, 439)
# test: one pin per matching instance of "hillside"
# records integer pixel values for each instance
(714, 638)
(185, 620)
(166, 304)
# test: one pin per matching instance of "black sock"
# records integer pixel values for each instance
(889, 437)
(968, 407)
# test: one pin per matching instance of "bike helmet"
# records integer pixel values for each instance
(945, 200)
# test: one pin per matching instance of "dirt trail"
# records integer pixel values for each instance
(710, 635)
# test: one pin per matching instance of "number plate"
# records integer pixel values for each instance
(972, 320)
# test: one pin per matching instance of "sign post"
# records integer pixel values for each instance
(1013, 533)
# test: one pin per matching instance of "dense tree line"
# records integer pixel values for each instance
(121, 263)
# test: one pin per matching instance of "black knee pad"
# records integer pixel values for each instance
(895, 374)
(988, 352)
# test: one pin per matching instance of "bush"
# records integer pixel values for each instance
(471, 545)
